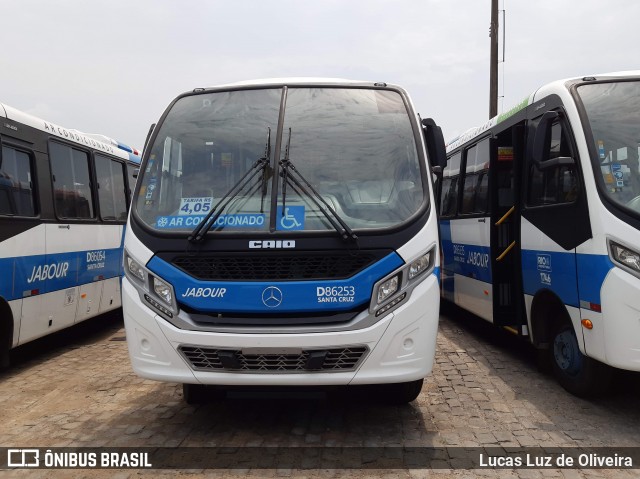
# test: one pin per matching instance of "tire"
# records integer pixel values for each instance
(401, 393)
(577, 373)
(194, 393)
(6, 335)
(4, 357)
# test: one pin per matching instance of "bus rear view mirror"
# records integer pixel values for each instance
(435, 143)
(542, 137)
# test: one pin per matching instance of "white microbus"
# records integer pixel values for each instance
(539, 219)
(63, 208)
(283, 233)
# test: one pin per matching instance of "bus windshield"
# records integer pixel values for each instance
(613, 110)
(354, 146)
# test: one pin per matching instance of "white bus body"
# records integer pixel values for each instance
(63, 206)
(539, 218)
(278, 292)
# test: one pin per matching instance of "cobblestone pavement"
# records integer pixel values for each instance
(77, 389)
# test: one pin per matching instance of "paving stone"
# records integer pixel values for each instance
(479, 394)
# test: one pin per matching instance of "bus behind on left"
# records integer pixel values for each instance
(64, 198)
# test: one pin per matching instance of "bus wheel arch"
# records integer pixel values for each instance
(554, 333)
(6, 333)
(546, 310)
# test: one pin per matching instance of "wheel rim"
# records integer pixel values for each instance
(567, 353)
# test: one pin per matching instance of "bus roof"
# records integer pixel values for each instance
(543, 90)
(97, 142)
(300, 81)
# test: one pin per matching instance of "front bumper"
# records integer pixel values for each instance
(401, 346)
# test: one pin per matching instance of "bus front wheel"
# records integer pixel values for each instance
(194, 393)
(401, 393)
(577, 373)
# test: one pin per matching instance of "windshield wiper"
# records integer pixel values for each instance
(260, 166)
(291, 175)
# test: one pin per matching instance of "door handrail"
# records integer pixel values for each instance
(506, 215)
(504, 253)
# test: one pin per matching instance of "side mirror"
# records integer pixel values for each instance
(542, 138)
(437, 170)
(435, 143)
(542, 142)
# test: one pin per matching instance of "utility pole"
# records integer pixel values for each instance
(493, 67)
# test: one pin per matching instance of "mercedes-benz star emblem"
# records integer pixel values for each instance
(272, 297)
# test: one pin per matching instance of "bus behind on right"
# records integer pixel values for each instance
(539, 221)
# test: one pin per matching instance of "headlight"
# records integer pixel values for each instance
(135, 269)
(156, 292)
(387, 288)
(625, 256)
(163, 291)
(390, 291)
(420, 265)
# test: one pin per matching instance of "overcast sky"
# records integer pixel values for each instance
(111, 67)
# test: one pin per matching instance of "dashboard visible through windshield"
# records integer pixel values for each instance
(613, 111)
(347, 159)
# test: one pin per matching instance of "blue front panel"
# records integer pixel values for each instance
(555, 271)
(592, 270)
(40, 274)
(468, 260)
(573, 277)
(273, 297)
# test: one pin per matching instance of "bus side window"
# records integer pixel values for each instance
(476, 181)
(482, 193)
(469, 182)
(449, 199)
(71, 182)
(16, 185)
(449, 192)
(112, 194)
(557, 184)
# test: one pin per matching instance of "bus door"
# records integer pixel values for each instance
(505, 183)
(471, 233)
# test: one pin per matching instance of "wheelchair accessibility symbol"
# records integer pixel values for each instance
(291, 219)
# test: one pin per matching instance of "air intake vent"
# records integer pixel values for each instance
(226, 360)
(290, 266)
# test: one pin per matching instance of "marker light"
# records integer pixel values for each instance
(387, 288)
(420, 265)
(625, 257)
(135, 269)
(163, 291)
(587, 323)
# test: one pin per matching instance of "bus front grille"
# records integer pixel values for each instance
(315, 360)
(280, 266)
